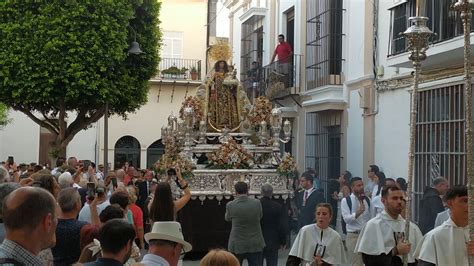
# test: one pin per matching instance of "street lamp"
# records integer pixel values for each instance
(135, 46)
(465, 7)
(417, 35)
(134, 50)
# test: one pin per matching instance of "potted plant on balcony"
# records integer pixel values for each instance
(174, 72)
(194, 73)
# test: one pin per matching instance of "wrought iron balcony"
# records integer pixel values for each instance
(275, 81)
(179, 69)
(444, 21)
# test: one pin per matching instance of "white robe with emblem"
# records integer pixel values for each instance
(309, 236)
(445, 245)
(377, 236)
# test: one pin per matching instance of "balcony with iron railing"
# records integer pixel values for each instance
(179, 69)
(446, 45)
(276, 81)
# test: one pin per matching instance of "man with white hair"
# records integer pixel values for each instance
(273, 225)
(67, 249)
(65, 180)
(432, 204)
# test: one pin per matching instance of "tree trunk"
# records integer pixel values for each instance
(56, 151)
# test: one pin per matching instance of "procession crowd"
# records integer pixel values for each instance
(76, 214)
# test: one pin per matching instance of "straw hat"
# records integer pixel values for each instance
(170, 231)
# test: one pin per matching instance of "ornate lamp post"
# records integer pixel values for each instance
(417, 35)
(465, 7)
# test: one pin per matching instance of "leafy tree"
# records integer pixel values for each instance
(4, 120)
(70, 57)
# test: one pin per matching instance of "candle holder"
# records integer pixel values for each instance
(465, 8)
(276, 122)
(263, 133)
(417, 36)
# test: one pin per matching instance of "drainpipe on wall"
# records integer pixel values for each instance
(371, 107)
(375, 110)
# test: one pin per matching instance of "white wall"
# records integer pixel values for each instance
(222, 20)
(83, 146)
(392, 132)
(145, 124)
(355, 135)
(20, 139)
(353, 41)
(236, 41)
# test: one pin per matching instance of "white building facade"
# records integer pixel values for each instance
(349, 98)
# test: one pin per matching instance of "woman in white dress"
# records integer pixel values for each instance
(318, 244)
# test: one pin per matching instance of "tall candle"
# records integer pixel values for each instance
(420, 8)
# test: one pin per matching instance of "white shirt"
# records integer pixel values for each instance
(85, 213)
(354, 224)
(442, 217)
(374, 191)
(55, 171)
(99, 175)
(155, 260)
(376, 205)
(445, 245)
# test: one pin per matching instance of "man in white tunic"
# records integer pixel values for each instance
(382, 240)
(448, 244)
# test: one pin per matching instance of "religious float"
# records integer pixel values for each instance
(218, 139)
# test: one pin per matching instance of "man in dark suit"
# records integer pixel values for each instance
(273, 225)
(143, 184)
(307, 199)
(246, 238)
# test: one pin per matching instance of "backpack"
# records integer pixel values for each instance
(349, 204)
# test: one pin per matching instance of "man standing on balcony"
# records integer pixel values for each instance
(284, 53)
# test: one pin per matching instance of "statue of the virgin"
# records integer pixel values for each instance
(222, 99)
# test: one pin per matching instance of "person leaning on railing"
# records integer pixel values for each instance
(162, 207)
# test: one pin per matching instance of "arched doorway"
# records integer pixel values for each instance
(127, 149)
(154, 153)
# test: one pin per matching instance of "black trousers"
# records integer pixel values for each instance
(253, 258)
(270, 256)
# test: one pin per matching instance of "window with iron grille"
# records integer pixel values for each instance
(323, 144)
(443, 20)
(324, 43)
(251, 44)
(440, 139)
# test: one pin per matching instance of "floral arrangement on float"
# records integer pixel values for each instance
(172, 158)
(287, 166)
(261, 112)
(230, 155)
(196, 104)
